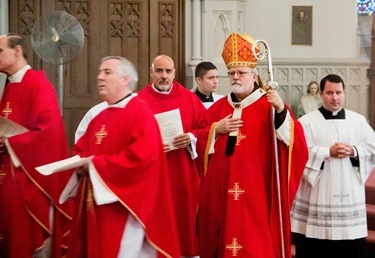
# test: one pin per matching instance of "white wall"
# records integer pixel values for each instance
(338, 43)
(334, 27)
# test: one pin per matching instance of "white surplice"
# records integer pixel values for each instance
(330, 202)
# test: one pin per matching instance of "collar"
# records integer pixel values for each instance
(122, 102)
(122, 99)
(332, 115)
(204, 97)
(17, 77)
(254, 96)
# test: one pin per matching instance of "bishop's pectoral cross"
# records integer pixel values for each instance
(234, 247)
(2, 174)
(7, 110)
(100, 135)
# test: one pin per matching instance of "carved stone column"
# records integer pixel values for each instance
(371, 76)
(4, 24)
(4, 28)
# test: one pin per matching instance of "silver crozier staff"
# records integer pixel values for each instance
(271, 84)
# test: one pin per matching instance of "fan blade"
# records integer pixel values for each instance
(57, 38)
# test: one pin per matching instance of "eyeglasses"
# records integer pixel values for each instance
(239, 73)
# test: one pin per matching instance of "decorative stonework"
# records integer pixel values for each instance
(128, 14)
(133, 20)
(83, 15)
(79, 9)
(116, 19)
(167, 12)
(293, 79)
(27, 17)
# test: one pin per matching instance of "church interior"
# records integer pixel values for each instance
(308, 39)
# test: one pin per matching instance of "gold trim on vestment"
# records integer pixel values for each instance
(207, 150)
(291, 143)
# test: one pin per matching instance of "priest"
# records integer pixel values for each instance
(253, 153)
(329, 210)
(32, 222)
(164, 95)
(123, 202)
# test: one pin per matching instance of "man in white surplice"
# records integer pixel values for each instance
(329, 210)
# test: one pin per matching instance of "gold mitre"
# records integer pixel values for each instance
(238, 52)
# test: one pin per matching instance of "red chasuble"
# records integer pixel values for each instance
(185, 178)
(238, 212)
(25, 195)
(130, 162)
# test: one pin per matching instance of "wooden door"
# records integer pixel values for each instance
(138, 30)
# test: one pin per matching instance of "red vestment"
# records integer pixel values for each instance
(185, 178)
(25, 195)
(238, 212)
(130, 162)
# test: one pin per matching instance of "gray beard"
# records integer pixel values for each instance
(237, 89)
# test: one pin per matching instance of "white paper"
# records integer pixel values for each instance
(170, 125)
(9, 128)
(62, 165)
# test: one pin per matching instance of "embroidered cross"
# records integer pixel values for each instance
(240, 137)
(341, 196)
(2, 173)
(234, 247)
(7, 110)
(100, 135)
(236, 191)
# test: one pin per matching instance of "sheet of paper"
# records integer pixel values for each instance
(63, 165)
(9, 128)
(170, 125)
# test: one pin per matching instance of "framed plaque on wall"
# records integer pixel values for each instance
(302, 18)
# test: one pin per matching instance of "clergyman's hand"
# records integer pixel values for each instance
(341, 150)
(182, 141)
(2, 144)
(275, 100)
(228, 124)
(82, 170)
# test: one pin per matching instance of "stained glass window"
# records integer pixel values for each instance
(365, 7)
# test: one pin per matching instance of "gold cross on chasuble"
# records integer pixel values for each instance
(240, 137)
(234, 247)
(7, 110)
(236, 191)
(100, 135)
(2, 173)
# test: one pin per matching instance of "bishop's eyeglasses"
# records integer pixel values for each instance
(239, 73)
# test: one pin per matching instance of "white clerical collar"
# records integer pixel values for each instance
(17, 77)
(123, 102)
(335, 113)
(257, 94)
(332, 113)
(162, 92)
